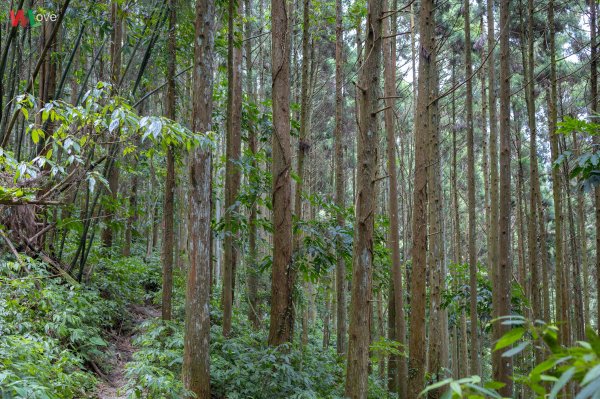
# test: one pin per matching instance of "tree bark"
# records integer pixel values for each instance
(253, 308)
(115, 70)
(393, 243)
(232, 171)
(168, 207)
(282, 321)
(417, 359)
(562, 308)
(196, 358)
(340, 200)
(366, 144)
(594, 109)
(474, 344)
(502, 366)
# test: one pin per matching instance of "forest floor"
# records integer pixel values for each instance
(121, 350)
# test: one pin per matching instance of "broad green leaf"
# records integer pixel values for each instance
(510, 338)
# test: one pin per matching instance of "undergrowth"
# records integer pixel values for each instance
(52, 333)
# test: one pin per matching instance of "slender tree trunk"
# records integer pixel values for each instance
(389, 52)
(233, 153)
(582, 238)
(471, 195)
(196, 358)
(437, 357)
(562, 308)
(494, 193)
(534, 180)
(502, 366)
(340, 200)
(367, 143)
(253, 308)
(303, 139)
(544, 260)
(417, 359)
(115, 72)
(594, 109)
(168, 207)
(282, 281)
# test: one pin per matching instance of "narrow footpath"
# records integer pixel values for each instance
(122, 349)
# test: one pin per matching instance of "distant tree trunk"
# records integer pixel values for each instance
(544, 260)
(340, 268)
(282, 321)
(393, 243)
(417, 359)
(196, 357)
(327, 317)
(253, 311)
(471, 195)
(366, 144)
(303, 140)
(462, 358)
(168, 211)
(575, 288)
(561, 306)
(233, 153)
(131, 216)
(115, 72)
(582, 238)
(494, 206)
(534, 180)
(502, 366)
(594, 110)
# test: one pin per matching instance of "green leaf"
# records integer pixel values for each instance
(517, 349)
(591, 375)
(436, 386)
(562, 381)
(510, 338)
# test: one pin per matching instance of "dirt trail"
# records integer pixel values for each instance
(122, 350)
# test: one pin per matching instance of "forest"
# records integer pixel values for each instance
(364, 199)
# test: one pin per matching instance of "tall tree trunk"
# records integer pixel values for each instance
(471, 195)
(366, 144)
(389, 52)
(233, 153)
(594, 109)
(582, 236)
(168, 207)
(417, 359)
(282, 321)
(115, 71)
(253, 311)
(303, 139)
(561, 306)
(196, 358)
(437, 318)
(340, 198)
(534, 180)
(493, 233)
(502, 366)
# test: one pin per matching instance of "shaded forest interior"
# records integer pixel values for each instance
(299, 199)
